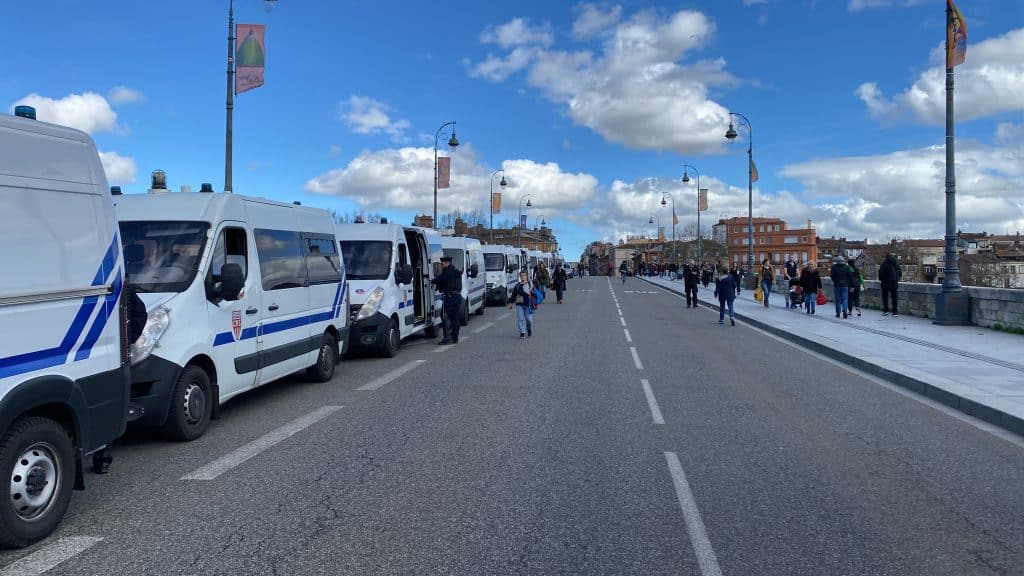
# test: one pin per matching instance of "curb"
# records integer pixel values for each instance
(982, 412)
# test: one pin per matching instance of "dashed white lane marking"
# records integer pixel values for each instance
(482, 328)
(380, 382)
(232, 459)
(628, 337)
(652, 403)
(50, 556)
(694, 524)
(636, 358)
(620, 311)
(623, 320)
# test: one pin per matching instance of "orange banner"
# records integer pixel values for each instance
(444, 172)
(250, 56)
(702, 199)
(495, 202)
(956, 35)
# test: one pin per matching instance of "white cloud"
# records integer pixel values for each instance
(88, 112)
(365, 115)
(119, 169)
(124, 95)
(990, 82)
(591, 20)
(635, 91)
(517, 32)
(402, 178)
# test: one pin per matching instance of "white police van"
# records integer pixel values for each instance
(240, 292)
(467, 255)
(389, 270)
(63, 343)
(501, 268)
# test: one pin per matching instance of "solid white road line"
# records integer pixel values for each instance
(482, 328)
(378, 383)
(628, 337)
(232, 459)
(503, 316)
(652, 403)
(50, 556)
(636, 358)
(444, 348)
(623, 320)
(694, 524)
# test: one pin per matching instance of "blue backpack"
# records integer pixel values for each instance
(536, 297)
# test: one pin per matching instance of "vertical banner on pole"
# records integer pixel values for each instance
(250, 56)
(522, 220)
(444, 172)
(495, 202)
(956, 36)
(702, 199)
(661, 233)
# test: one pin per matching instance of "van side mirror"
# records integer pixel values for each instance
(474, 270)
(231, 281)
(404, 274)
(510, 268)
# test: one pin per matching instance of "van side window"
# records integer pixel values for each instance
(282, 264)
(231, 248)
(322, 260)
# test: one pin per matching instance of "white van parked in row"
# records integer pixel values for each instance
(63, 344)
(389, 269)
(467, 255)
(501, 266)
(240, 292)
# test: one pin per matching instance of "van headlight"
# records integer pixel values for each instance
(372, 304)
(156, 325)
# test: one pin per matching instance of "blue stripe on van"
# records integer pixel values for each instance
(227, 337)
(477, 289)
(50, 357)
(106, 311)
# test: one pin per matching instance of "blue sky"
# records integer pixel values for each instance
(593, 108)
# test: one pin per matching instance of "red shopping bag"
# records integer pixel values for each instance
(821, 299)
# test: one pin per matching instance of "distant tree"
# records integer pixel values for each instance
(350, 217)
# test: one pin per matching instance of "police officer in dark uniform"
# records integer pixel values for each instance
(449, 283)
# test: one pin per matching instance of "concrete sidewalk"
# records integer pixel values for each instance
(976, 370)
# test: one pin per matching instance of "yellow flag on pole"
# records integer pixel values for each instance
(956, 36)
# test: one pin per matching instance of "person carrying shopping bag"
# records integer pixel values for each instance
(521, 299)
(810, 281)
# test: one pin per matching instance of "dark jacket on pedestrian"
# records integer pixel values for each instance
(691, 275)
(810, 281)
(449, 281)
(559, 279)
(889, 272)
(725, 288)
(841, 275)
(521, 294)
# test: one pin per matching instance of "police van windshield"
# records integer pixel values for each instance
(458, 257)
(162, 256)
(494, 262)
(366, 259)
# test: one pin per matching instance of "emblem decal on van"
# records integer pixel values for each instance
(236, 324)
(360, 291)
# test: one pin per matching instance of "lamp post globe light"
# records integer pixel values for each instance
(663, 203)
(490, 198)
(686, 180)
(657, 229)
(453, 143)
(731, 135)
(519, 225)
(230, 103)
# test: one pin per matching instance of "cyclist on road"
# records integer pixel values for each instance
(623, 270)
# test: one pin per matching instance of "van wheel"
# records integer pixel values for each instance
(326, 360)
(464, 320)
(391, 340)
(191, 405)
(38, 461)
(480, 310)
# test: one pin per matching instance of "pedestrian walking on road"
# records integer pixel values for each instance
(449, 284)
(810, 281)
(734, 271)
(841, 283)
(725, 291)
(889, 276)
(857, 279)
(790, 273)
(691, 277)
(559, 281)
(767, 279)
(524, 308)
(543, 277)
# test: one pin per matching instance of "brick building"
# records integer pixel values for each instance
(773, 239)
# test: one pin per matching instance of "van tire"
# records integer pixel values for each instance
(50, 447)
(480, 310)
(326, 360)
(194, 388)
(464, 320)
(430, 330)
(392, 340)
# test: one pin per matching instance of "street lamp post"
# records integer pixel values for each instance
(663, 194)
(731, 135)
(519, 224)
(656, 230)
(453, 143)
(686, 179)
(541, 220)
(230, 104)
(490, 198)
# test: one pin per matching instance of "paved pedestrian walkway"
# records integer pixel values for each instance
(976, 370)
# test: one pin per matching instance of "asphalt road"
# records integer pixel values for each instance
(741, 455)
